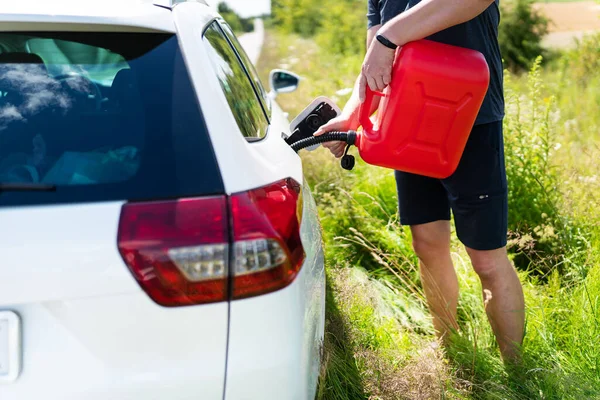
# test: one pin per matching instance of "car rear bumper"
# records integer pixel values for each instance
(77, 349)
(120, 347)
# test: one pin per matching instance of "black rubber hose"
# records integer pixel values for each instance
(335, 136)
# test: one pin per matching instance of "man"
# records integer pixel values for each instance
(477, 192)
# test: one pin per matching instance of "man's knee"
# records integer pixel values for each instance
(431, 240)
(488, 263)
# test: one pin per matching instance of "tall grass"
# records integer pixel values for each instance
(379, 340)
(545, 234)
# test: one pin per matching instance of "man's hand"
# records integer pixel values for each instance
(376, 69)
(349, 120)
(341, 123)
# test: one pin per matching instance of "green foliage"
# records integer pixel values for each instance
(303, 17)
(237, 23)
(582, 64)
(520, 34)
(340, 378)
(543, 229)
(345, 32)
(339, 25)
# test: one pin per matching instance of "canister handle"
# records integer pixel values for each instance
(365, 109)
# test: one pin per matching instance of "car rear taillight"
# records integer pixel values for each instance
(266, 232)
(177, 250)
(180, 251)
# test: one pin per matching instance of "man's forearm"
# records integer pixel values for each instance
(431, 16)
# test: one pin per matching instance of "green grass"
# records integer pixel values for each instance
(379, 341)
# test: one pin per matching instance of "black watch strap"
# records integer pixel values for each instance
(386, 42)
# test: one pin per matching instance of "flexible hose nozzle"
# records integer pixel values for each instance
(335, 136)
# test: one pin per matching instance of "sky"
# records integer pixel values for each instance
(246, 8)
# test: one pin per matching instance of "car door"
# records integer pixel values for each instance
(277, 117)
(309, 304)
(245, 128)
(274, 339)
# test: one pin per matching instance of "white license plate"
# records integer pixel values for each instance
(10, 346)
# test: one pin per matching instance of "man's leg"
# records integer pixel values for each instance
(478, 195)
(431, 242)
(424, 206)
(503, 298)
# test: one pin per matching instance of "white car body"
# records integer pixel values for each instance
(87, 329)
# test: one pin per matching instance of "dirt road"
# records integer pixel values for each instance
(569, 21)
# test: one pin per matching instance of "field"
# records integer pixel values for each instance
(572, 16)
(569, 20)
(379, 339)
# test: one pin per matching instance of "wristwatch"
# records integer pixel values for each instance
(386, 42)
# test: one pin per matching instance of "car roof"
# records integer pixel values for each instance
(145, 15)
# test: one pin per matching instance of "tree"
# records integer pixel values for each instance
(522, 29)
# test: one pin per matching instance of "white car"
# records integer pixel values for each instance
(157, 238)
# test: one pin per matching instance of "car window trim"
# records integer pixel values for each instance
(266, 106)
(241, 61)
(217, 21)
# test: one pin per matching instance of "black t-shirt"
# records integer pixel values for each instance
(480, 33)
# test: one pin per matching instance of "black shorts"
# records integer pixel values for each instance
(476, 192)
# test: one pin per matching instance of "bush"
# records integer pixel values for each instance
(520, 34)
(303, 17)
(583, 63)
(344, 33)
(340, 25)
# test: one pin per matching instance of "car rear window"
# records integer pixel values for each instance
(102, 116)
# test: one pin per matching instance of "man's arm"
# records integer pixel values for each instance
(431, 16)
(424, 19)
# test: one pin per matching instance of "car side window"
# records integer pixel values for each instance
(237, 86)
(262, 93)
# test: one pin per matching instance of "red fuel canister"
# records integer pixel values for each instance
(427, 112)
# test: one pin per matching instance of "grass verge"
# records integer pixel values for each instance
(379, 339)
